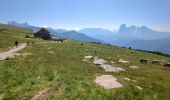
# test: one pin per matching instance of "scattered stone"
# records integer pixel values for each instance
(134, 67)
(88, 57)
(39, 96)
(109, 68)
(112, 62)
(127, 79)
(95, 57)
(85, 60)
(48, 48)
(138, 87)
(18, 54)
(42, 95)
(134, 80)
(25, 54)
(51, 52)
(123, 61)
(99, 61)
(108, 82)
(155, 96)
(1, 96)
(109, 57)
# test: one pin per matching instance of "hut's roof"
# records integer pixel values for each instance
(43, 30)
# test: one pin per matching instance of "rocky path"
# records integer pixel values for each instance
(12, 52)
(107, 81)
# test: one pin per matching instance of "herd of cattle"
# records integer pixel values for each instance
(164, 63)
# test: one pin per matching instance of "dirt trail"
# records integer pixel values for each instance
(12, 52)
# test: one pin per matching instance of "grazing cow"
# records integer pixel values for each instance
(132, 52)
(144, 61)
(167, 64)
(156, 62)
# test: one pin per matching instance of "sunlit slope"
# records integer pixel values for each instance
(59, 67)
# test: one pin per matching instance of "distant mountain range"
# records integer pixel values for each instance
(136, 37)
(24, 25)
(129, 36)
(72, 35)
(58, 32)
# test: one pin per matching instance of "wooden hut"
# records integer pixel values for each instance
(43, 33)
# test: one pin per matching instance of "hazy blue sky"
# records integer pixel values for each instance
(76, 14)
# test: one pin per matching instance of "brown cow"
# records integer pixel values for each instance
(167, 64)
(156, 62)
(144, 61)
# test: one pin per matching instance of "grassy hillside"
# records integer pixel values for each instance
(12, 33)
(69, 78)
(14, 29)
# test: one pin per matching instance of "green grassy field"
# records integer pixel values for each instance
(12, 33)
(71, 79)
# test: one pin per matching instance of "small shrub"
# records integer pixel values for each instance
(27, 36)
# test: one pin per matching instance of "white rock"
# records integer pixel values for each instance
(134, 67)
(123, 61)
(25, 54)
(138, 87)
(18, 54)
(112, 62)
(109, 68)
(50, 52)
(88, 57)
(109, 57)
(99, 61)
(127, 79)
(108, 82)
(85, 60)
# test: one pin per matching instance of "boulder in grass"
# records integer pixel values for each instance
(85, 60)
(134, 67)
(123, 61)
(112, 62)
(108, 82)
(138, 87)
(109, 68)
(88, 57)
(99, 61)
